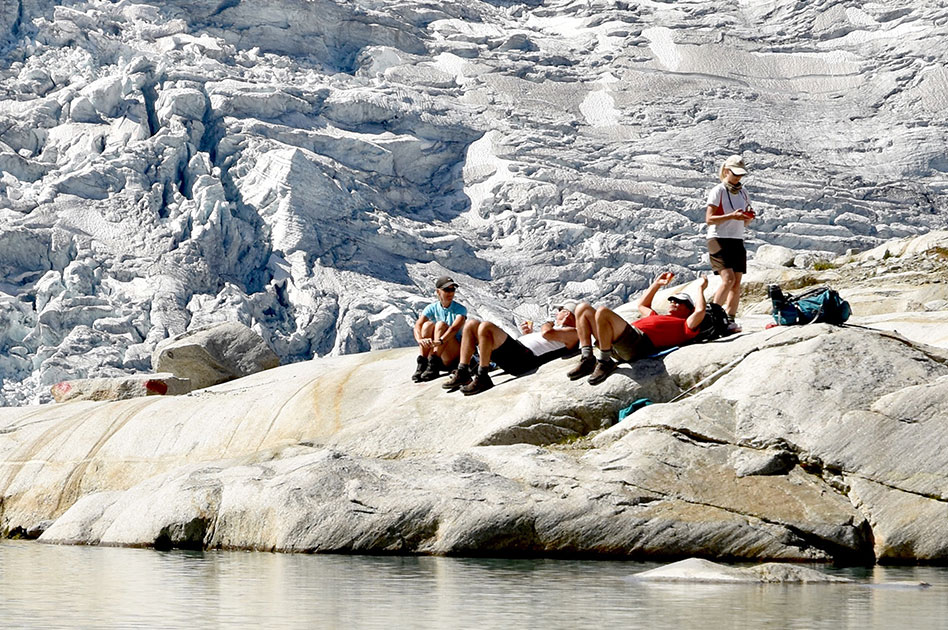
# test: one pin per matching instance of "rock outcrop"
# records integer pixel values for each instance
(794, 443)
(121, 388)
(308, 167)
(214, 354)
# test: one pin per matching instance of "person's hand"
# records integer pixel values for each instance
(664, 278)
(526, 327)
(426, 343)
(704, 282)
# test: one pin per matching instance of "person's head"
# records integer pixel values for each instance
(445, 287)
(681, 305)
(565, 313)
(733, 169)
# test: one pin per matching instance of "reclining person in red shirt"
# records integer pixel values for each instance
(621, 341)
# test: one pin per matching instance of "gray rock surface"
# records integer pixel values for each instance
(121, 388)
(779, 445)
(214, 354)
(307, 168)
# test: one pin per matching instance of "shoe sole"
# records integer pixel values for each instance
(453, 387)
(600, 379)
(475, 391)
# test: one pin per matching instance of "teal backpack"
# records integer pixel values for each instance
(821, 304)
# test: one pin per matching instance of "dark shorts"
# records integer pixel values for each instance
(514, 357)
(632, 345)
(727, 253)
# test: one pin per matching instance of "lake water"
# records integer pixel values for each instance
(47, 586)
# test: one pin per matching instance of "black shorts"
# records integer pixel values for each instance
(632, 345)
(514, 357)
(727, 253)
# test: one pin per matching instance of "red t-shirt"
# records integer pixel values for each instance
(665, 331)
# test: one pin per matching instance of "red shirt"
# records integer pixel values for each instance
(665, 331)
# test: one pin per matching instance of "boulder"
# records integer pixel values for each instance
(214, 354)
(120, 388)
(775, 255)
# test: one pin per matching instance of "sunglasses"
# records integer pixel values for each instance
(449, 289)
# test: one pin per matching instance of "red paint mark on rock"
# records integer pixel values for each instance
(156, 386)
(62, 388)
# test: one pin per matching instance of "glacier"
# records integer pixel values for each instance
(308, 167)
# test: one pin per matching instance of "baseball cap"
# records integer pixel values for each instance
(445, 281)
(735, 164)
(683, 298)
(569, 305)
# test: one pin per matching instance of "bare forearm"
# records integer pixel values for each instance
(645, 302)
(454, 328)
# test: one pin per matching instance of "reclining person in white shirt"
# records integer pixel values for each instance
(515, 356)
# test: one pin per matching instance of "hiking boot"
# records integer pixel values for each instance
(585, 367)
(481, 383)
(433, 370)
(422, 366)
(458, 378)
(602, 371)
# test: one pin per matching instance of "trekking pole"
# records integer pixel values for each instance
(721, 370)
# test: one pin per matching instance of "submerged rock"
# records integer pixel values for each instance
(699, 570)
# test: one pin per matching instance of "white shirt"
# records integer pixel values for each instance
(539, 346)
(720, 197)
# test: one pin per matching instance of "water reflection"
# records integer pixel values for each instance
(46, 586)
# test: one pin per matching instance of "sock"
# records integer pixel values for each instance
(604, 355)
(464, 367)
(586, 351)
(483, 370)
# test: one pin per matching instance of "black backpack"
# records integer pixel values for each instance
(714, 325)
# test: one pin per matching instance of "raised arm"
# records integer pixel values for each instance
(694, 320)
(645, 302)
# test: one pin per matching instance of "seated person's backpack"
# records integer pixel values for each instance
(714, 324)
(821, 304)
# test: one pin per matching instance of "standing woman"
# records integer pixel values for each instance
(729, 210)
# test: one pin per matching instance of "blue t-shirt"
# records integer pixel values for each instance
(437, 313)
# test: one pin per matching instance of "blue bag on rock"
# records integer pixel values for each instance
(821, 304)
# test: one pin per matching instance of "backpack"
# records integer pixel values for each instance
(821, 304)
(714, 325)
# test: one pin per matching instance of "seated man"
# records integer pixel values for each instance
(515, 356)
(438, 332)
(643, 337)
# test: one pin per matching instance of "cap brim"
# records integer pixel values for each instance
(737, 170)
